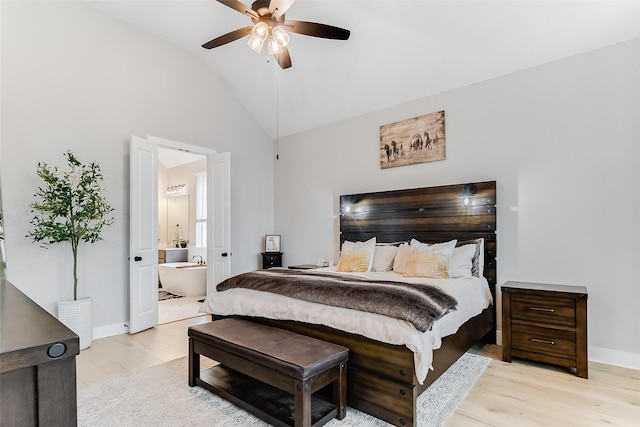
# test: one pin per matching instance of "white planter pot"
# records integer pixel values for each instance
(76, 315)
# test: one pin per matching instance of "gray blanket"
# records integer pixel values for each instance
(419, 304)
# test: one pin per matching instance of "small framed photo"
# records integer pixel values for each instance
(272, 243)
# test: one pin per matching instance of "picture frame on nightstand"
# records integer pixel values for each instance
(272, 243)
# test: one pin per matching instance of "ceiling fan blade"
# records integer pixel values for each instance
(240, 7)
(228, 38)
(277, 8)
(317, 30)
(284, 59)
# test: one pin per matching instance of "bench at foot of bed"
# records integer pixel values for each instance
(270, 372)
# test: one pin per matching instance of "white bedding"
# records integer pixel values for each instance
(473, 296)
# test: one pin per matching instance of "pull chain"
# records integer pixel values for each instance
(277, 117)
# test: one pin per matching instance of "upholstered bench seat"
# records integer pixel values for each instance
(279, 360)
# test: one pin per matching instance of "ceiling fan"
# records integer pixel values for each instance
(269, 25)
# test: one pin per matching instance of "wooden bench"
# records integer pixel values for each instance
(271, 372)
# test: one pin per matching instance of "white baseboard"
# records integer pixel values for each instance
(110, 330)
(614, 357)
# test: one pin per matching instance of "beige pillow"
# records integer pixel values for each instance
(432, 261)
(383, 258)
(357, 256)
(402, 256)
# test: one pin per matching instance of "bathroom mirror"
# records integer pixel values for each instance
(178, 219)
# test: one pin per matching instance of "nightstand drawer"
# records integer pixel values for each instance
(271, 259)
(550, 311)
(550, 342)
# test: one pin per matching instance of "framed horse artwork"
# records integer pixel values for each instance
(416, 140)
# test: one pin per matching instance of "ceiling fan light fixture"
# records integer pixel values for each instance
(274, 46)
(255, 44)
(280, 36)
(260, 30)
(268, 17)
(259, 34)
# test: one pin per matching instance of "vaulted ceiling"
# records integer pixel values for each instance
(398, 50)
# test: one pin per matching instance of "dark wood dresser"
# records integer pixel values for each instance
(37, 364)
(545, 323)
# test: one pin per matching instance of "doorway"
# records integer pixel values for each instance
(146, 216)
(182, 254)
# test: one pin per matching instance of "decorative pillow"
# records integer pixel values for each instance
(357, 256)
(430, 260)
(402, 256)
(383, 256)
(462, 261)
(477, 268)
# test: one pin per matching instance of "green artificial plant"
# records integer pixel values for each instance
(70, 207)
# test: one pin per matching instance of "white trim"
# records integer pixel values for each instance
(110, 330)
(614, 357)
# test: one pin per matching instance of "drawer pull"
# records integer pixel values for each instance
(545, 309)
(542, 341)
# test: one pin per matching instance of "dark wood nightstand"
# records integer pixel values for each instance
(303, 267)
(271, 259)
(545, 323)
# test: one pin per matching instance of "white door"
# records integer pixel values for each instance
(219, 242)
(143, 246)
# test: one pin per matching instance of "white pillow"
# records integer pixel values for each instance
(430, 260)
(477, 267)
(402, 256)
(357, 256)
(383, 257)
(462, 261)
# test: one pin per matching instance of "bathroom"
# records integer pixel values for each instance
(182, 254)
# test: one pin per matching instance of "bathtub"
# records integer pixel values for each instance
(183, 278)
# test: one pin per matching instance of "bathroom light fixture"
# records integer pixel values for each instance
(176, 190)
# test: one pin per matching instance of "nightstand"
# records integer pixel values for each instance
(545, 323)
(303, 267)
(271, 259)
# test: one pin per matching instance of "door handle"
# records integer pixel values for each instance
(138, 258)
(224, 254)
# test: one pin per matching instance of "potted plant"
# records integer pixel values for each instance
(71, 207)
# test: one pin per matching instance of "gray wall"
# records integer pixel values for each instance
(561, 140)
(75, 78)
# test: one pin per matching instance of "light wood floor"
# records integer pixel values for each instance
(508, 394)
(121, 354)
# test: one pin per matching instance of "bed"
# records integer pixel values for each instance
(389, 362)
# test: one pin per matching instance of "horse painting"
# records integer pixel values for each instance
(424, 137)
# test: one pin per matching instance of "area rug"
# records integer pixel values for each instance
(164, 295)
(159, 396)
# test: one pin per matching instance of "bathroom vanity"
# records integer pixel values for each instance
(172, 255)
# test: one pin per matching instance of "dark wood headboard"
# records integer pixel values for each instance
(430, 215)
